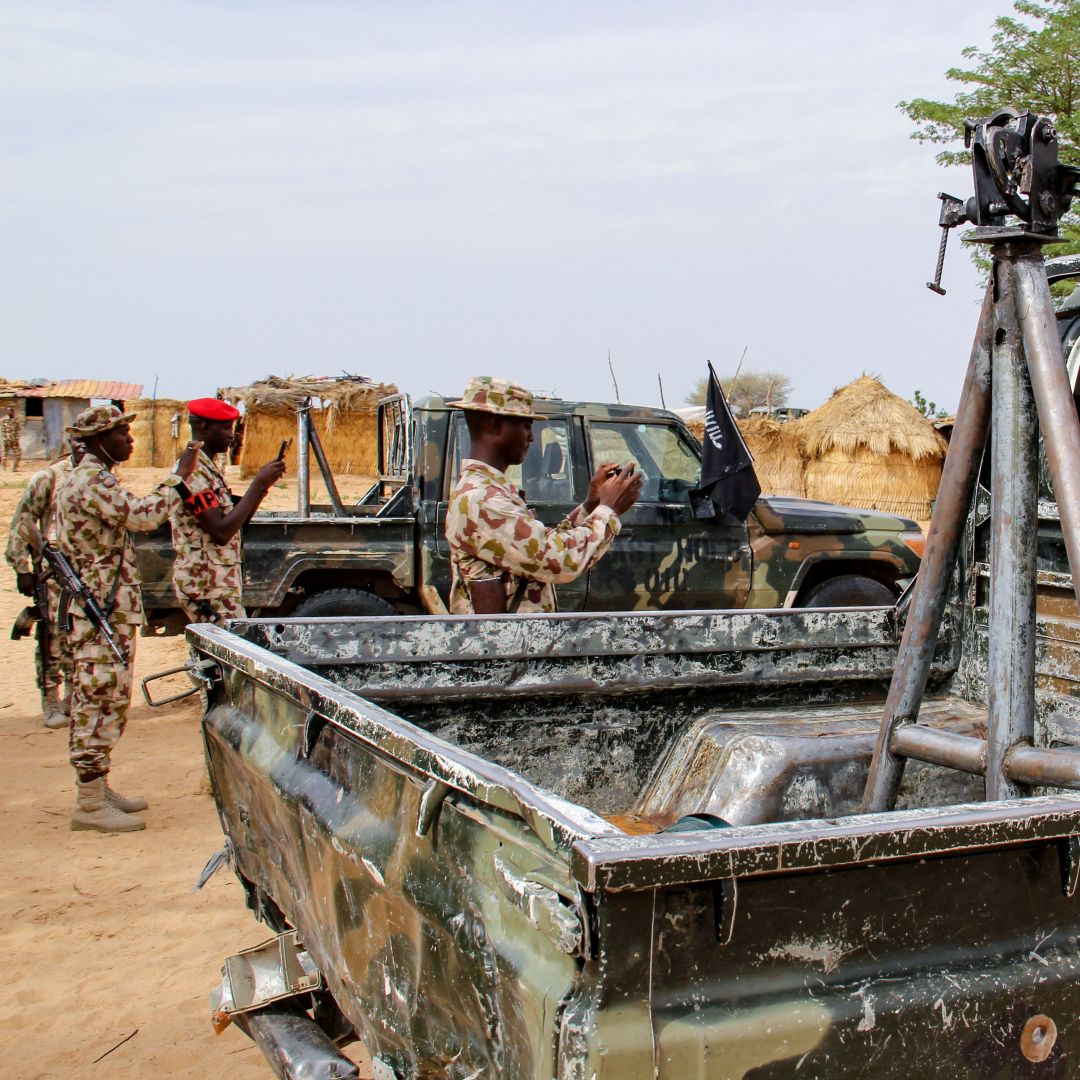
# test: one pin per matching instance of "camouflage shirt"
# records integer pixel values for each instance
(10, 430)
(491, 532)
(204, 570)
(93, 516)
(35, 507)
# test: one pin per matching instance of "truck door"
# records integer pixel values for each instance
(548, 479)
(664, 557)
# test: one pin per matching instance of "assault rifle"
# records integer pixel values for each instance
(72, 587)
(36, 616)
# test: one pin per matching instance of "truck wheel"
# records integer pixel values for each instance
(849, 590)
(342, 602)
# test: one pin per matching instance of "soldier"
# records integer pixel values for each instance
(503, 557)
(93, 517)
(37, 507)
(207, 574)
(10, 432)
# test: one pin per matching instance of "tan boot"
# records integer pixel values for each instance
(92, 811)
(131, 804)
(52, 712)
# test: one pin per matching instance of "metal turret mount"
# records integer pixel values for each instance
(1016, 386)
(1014, 157)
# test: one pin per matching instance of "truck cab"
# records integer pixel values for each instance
(665, 557)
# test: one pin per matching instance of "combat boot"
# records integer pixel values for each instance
(52, 712)
(130, 804)
(93, 811)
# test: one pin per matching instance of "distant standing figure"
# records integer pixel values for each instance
(10, 433)
(503, 557)
(208, 571)
(37, 507)
(94, 517)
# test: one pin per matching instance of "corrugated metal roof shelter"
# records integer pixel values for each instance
(86, 389)
(52, 406)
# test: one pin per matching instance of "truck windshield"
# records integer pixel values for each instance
(669, 465)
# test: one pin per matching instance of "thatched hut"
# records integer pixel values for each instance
(343, 413)
(777, 457)
(160, 430)
(866, 447)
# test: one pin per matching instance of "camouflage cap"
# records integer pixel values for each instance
(488, 394)
(97, 420)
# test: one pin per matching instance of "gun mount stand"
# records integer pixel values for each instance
(1016, 381)
(308, 442)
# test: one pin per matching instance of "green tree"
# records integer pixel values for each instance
(748, 390)
(929, 409)
(1032, 64)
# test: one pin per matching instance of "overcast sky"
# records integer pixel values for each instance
(207, 193)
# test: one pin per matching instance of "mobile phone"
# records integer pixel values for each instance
(285, 444)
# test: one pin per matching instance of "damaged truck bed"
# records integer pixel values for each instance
(824, 843)
(503, 842)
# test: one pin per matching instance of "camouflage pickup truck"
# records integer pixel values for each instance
(389, 554)
(805, 842)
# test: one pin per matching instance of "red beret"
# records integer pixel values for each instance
(212, 408)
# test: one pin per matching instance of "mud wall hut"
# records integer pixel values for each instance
(868, 448)
(160, 430)
(344, 413)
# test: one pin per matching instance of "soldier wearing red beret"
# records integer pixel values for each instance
(207, 574)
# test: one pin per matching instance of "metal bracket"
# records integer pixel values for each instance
(430, 804)
(313, 726)
(199, 673)
(272, 971)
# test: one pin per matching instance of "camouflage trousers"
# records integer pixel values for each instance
(12, 453)
(55, 669)
(101, 696)
(217, 609)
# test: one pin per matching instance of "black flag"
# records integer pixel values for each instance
(729, 484)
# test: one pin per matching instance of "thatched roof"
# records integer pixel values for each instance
(344, 393)
(866, 415)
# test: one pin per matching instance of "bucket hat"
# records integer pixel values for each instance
(99, 419)
(485, 393)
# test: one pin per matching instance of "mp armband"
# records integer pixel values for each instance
(197, 502)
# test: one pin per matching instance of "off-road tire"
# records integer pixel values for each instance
(342, 602)
(849, 590)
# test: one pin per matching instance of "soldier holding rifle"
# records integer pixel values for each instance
(94, 515)
(35, 510)
(504, 558)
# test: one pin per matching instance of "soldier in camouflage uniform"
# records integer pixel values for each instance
(503, 557)
(93, 517)
(10, 433)
(207, 574)
(36, 508)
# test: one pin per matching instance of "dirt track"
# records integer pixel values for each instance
(104, 936)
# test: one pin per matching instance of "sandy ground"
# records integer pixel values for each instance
(103, 938)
